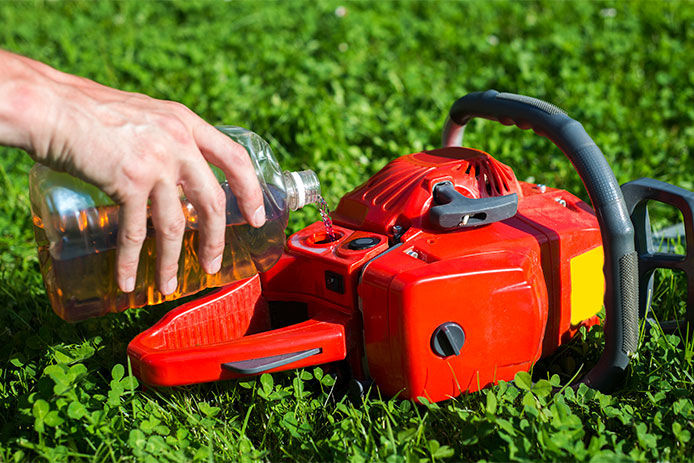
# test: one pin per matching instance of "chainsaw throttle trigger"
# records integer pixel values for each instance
(254, 366)
(453, 210)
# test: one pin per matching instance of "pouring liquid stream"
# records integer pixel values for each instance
(327, 221)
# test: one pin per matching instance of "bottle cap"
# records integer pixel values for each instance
(303, 188)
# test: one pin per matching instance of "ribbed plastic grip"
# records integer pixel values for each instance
(621, 264)
(628, 274)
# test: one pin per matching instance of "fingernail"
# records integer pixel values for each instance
(129, 285)
(170, 286)
(259, 217)
(215, 265)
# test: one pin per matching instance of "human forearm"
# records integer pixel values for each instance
(26, 99)
(135, 148)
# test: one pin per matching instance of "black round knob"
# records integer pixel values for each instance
(448, 339)
(365, 242)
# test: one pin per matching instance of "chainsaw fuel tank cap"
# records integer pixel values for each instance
(365, 242)
(453, 210)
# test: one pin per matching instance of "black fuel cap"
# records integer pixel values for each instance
(365, 242)
(448, 339)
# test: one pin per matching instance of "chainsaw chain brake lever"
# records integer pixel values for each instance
(621, 261)
(636, 194)
(453, 210)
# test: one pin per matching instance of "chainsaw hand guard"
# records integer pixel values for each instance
(621, 263)
(637, 193)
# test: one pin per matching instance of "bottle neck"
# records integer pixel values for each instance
(302, 187)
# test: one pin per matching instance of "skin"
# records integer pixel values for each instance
(134, 148)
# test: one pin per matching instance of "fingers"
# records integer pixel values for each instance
(169, 224)
(132, 231)
(208, 199)
(233, 159)
(183, 163)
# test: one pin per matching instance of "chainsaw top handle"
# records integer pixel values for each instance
(616, 229)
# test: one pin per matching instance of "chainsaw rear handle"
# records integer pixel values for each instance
(621, 263)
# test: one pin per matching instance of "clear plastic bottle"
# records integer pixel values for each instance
(76, 229)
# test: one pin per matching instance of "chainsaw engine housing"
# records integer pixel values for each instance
(451, 311)
(447, 275)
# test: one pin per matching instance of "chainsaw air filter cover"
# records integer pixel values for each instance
(401, 194)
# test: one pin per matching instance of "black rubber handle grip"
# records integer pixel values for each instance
(617, 231)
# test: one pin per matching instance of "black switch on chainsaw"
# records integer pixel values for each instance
(334, 282)
(448, 339)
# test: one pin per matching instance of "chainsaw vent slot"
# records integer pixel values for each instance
(286, 313)
(493, 178)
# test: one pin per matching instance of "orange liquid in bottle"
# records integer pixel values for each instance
(83, 285)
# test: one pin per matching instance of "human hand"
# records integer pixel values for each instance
(136, 148)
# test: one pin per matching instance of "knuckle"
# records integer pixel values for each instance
(134, 236)
(169, 268)
(176, 106)
(172, 229)
(133, 174)
(219, 200)
(127, 268)
(155, 151)
(214, 203)
(213, 248)
(174, 126)
(239, 156)
(135, 177)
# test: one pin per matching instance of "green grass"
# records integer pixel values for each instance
(343, 95)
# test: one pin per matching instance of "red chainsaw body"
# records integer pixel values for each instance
(379, 303)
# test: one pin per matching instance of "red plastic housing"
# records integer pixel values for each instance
(506, 284)
(377, 294)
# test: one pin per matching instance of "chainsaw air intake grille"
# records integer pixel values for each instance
(492, 177)
(628, 274)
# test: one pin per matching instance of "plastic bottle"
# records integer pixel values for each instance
(76, 229)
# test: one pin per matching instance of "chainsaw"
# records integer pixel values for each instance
(445, 274)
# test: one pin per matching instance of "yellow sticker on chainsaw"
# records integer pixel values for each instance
(587, 285)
